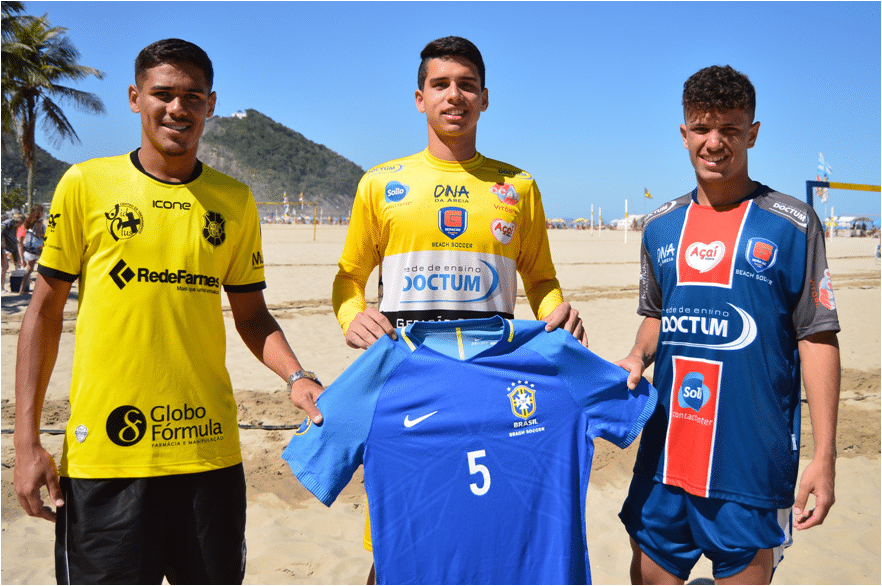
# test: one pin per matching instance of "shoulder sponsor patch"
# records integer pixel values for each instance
(503, 231)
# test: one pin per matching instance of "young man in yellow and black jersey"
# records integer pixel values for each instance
(151, 483)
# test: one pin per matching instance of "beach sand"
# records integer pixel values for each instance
(293, 539)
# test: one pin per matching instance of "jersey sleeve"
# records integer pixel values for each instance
(245, 272)
(534, 260)
(65, 240)
(325, 457)
(615, 412)
(650, 302)
(361, 253)
(815, 310)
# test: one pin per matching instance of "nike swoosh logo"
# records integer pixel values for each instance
(408, 422)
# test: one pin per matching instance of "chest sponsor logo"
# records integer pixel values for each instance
(124, 221)
(503, 231)
(463, 284)
(182, 425)
(695, 400)
(665, 254)
(453, 221)
(395, 191)
(214, 228)
(522, 400)
(703, 257)
(708, 329)
(122, 274)
(506, 193)
(451, 193)
(761, 254)
(161, 204)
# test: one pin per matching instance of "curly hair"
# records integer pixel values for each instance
(719, 88)
(449, 47)
(35, 214)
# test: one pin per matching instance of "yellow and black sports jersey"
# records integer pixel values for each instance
(451, 237)
(150, 394)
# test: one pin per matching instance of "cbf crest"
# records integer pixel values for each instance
(522, 396)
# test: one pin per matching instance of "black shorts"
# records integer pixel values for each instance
(189, 528)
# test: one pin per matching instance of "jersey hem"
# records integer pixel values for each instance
(98, 472)
(723, 495)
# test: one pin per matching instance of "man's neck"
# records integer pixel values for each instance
(177, 169)
(724, 194)
(452, 148)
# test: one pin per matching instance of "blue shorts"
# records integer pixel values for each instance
(674, 528)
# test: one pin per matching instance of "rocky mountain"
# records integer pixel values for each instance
(47, 170)
(273, 159)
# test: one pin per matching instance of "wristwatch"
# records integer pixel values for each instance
(303, 374)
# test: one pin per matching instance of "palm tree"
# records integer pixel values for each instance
(37, 58)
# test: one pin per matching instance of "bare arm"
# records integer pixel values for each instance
(35, 359)
(643, 352)
(819, 354)
(263, 336)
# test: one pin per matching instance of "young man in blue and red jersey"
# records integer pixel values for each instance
(737, 300)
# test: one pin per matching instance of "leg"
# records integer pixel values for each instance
(759, 571)
(646, 571)
(5, 267)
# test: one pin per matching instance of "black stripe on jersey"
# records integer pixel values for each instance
(400, 319)
(56, 274)
(250, 287)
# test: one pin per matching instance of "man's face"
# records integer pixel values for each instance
(174, 101)
(452, 98)
(718, 142)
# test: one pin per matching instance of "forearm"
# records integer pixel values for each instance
(646, 343)
(543, 296)
(821, 373)
(348, 298)
(264, 337)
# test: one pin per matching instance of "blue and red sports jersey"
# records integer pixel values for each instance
(734, 290)
(477, 438)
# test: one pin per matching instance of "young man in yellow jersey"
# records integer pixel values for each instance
(450, 228)
(151, 479)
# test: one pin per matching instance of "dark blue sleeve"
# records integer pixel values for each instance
(325, 457)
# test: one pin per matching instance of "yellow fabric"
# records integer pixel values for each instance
(150, 393)
(395, 221)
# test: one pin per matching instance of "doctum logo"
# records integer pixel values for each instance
(126, 425)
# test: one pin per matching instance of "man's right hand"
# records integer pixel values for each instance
(34, 469)
(368, 326)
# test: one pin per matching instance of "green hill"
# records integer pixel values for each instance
(47, 170)
(273, 159)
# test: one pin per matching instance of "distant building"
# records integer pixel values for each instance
(239, 114)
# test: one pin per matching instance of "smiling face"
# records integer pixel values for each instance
(174, 101)
(452, 100)
(717, 143)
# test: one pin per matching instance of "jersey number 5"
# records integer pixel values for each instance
(475, 468)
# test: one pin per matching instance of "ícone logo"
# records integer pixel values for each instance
(522, 399)
(124, 221)
(213, 230)
(126, 425)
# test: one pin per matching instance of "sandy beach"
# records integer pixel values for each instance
(293, 539)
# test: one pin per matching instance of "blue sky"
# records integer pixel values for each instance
(585, 96)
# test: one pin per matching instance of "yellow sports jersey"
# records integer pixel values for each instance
(451, 237)
(150, 394)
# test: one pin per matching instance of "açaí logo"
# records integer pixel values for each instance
(703, 257)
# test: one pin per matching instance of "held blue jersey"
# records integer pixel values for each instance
(735, 290)
(477, 439)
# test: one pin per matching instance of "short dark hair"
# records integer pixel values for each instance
(719, 88)
(173, 51)
(449, 47)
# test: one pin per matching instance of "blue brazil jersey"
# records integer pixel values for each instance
(734, 290)
(477, 439)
